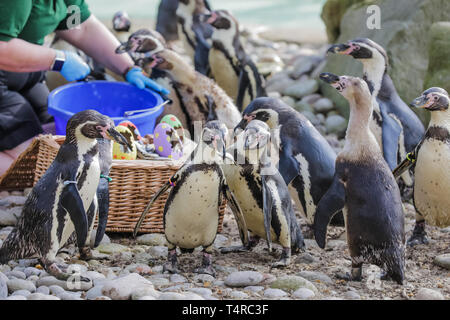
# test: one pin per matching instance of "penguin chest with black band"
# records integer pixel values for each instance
(432, 177)
(191, 214)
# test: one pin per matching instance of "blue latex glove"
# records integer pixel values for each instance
(139, 79)
(74, 68)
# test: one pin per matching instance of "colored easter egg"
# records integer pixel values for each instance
(121, 152)
(130, 125)
(167, 142)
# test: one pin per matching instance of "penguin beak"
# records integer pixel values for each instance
(123, 48)
(113, 134)
(329, 78)
(420, 102)
(342, 48)
(243, 123)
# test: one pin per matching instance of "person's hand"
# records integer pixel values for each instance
(74, 68)
(139, 79)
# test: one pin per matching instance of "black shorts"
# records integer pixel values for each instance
(23, 101)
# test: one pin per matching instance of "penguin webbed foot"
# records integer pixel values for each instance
(419, 235)
(285, 259)
(206, 267)
(355, 275)
(225, 250)
(86, 254)
(171, 264)
(57, 271)
(386, 276)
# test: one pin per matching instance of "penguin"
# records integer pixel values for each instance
(431, 163)
(194, 33)
(365, 188)
(121, 26)
(231, 67)
(262, 195)
(307, 161)
(396, 127)
(191, 212)
(166, 21)
(203, 98)
(64, 199)
(139, 45)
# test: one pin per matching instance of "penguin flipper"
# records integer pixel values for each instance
(390, 135)
(331, 203)
(72, 203)
(267, 210)
(103, 208)
(164, 188)
(237, 212)
(211, 108)
(288, 167)
(242, 85)
(201, 55)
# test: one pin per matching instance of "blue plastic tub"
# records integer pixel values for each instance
(109, 98)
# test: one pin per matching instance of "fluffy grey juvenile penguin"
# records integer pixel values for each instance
(60, 201)
(191, 212)
(397, 128)
(262, 194)
(431, 161)
(231, 67)
(365, 188)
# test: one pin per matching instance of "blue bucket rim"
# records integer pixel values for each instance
(155, 109)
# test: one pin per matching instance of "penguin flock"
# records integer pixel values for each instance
(258, 153)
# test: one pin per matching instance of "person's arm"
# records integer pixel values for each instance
(18, 55)
(98, 42)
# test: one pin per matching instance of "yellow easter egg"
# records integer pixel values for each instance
(121, 152)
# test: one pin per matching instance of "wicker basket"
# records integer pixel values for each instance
(133, 184)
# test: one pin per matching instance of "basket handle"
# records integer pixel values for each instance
(131, 112)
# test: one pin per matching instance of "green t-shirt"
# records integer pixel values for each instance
(32, 20)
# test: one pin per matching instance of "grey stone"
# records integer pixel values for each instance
(192, 296)
(311, 117)
(235, 294)
(336, 244)
(70, 296)
(305, 65)
(428, 294)
(172, 296)
(305, 258)
(352, 295)
(315, 276)
(323, 105)
(292, 283)
(158, 281)
(301, 107)
(31, 271)
(274, 293)
(221, 241)
(244, 279)
(94, 292)
(178, 287)
(43, 290)
(226, 269)
(138, 293)
(122, 288)
(279, 83)
(311, 99)
(25, 263)
(3, 286)
(159, 252)
(202, 278)
(303, 294)
(105, 238)
(204, 292)
(176, 278)
(254, 288)
(93, 275)
(302, 88)
(443, 261)
(40, 296)
(24, 293)
(289, 101)
(16, 298)
(336, 124)
(9, 217)
(152, 239)
(56, 290)
(73, 284)
(16, 274)
(110, 248)
(20, 284)
(12, 201)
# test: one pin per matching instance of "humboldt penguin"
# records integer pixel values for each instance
(140, 46)
(64, 199)
(431, 161)
(231, 67)
(166, 21)
(194, 33)
(306, 162)
(365, 188)
(204, 99)
(262, 194)
(191, 212)
(396, 127)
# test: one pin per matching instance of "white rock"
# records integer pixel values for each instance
(110, 248)
(254, 288)
(274, 293)
(24, 293)
(172, 296)
(204, 292)
(303, 294)
(123, 287)
(3, 286)
(315, 276)
(145, 292)
(40, 296)
(158, 252)
(31, 271)
(20, 284)
(221, 241)
(93, 275)
(176, 278)
(352, 295)
(103, 298)
(13, 201)
(43, 290)
(16, 298)
(105, 238)
(192, 296)
(73, 284)
(429, 294)
(94, 292)
(443, 261)
(56, 290)
(202, 278)
(152, 239)
(10, 216)
(70, 296)
(16, 274)
(244, 279)
(238, 295)
(147, 298)
(323, 105)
